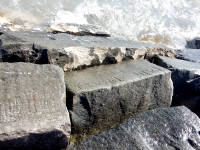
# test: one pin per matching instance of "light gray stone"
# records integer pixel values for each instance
(186, 81)
(78, 29)
(192, 55)
(33, 113)
(102, 97)
(73, 52)
(161, 129)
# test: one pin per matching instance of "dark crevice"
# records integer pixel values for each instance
(69, 100)
(193, 144)
(84, 102)
(109, 60)
(50, 140)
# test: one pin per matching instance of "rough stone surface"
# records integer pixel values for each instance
(77, 29)
(161, 129)
(102, 97)
(33, 114)
(82, 57)
(186, 81)
(192, 55)
(69, 51)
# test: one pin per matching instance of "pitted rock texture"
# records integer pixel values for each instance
(186, 81)
(161, 129)
(192, 55)
(73, 52)
(32, 107)
(77, 29)
(102, 97)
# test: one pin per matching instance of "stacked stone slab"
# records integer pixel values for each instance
(160, 129)
(33, 114)
(77, 29)
(100, 98)
(186, 81)
(192, 55)
(72, 52)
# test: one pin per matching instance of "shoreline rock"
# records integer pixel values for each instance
(32, 107)
(105, 98)
(69, 51)
(171, 128)
(100, 98)
(186, 81)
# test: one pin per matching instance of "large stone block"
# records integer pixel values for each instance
(33, 114)
(161, 129)
(72, 52)
(192, 55)
(186, 81)
(102, 97)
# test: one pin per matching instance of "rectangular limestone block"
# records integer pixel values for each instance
(102, 97)
(33, 114)
(186, 80)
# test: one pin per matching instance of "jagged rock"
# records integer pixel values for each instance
(160, 129)
(102, 97)
(186, 81)
(69, 51)
(152, 52)
(32, 106)
(82, 57)
(192, 55)
(194, 43)
(77, 29)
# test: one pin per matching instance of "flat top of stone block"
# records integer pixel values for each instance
(189, 54)
(62, 40)
(107, 76)
(32, 97)
(180, 64)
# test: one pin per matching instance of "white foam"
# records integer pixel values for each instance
(167, 22)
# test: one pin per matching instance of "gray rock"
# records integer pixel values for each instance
(77, 29)
(192, 55)
(161, 129)
(33, 114)
(194, 43)
(186, 81)
(102, 97)
(72, 52)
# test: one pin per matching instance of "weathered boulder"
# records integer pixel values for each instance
(69, 51)
(186, 81)
(161, 129)
(194, 43)
(102, 97)
(33, 113)
(77, 29)
(192, 55)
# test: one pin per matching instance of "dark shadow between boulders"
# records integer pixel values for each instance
(54, 140)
